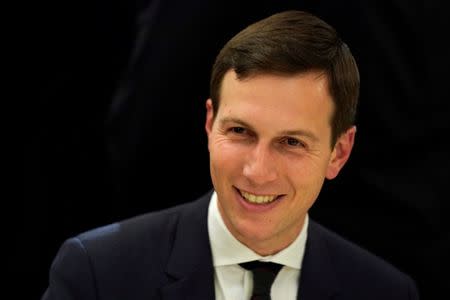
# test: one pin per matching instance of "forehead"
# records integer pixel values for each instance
(276, 103)
(299, 92)
(311, 81)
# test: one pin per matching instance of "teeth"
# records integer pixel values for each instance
(257, 199)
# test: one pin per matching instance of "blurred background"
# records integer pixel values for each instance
(116, 127)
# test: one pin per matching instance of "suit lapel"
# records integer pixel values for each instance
(190, 266)
(318, 279)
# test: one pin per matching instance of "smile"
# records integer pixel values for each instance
(258, 199)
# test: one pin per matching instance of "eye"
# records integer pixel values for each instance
(238, 130)
(293, 142)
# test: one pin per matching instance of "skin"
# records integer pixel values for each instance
(271, 136)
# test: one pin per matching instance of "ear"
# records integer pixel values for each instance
(209, 117)
(341, 152)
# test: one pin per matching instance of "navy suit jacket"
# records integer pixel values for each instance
(167, 255)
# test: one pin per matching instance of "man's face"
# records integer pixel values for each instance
(270, 153)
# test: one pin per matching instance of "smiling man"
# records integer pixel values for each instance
(270, 148)
(280, 121)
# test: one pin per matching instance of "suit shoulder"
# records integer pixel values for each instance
(153, 231)
(122, 256)
(148, 226)
(356, 266)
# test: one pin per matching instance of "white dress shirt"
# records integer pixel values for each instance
(233, 282)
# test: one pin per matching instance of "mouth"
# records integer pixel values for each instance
(258, 199)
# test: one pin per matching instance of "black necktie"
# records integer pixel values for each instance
(264, 274)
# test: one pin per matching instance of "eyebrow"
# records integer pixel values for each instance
(299, 132)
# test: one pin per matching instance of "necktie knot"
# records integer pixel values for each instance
(264, 274)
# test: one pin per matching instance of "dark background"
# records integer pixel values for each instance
(116, 128)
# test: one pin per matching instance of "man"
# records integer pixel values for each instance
(280, 121)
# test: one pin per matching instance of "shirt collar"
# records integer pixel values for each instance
(227, 250)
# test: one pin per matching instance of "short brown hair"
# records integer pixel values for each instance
(290, 43)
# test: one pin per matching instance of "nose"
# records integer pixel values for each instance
(260, 166)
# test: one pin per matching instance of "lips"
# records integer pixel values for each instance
(258, 199)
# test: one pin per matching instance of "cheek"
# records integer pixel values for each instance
(226, 153)
(225, 160)
(306, 177)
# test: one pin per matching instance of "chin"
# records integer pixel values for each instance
(252, 232)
